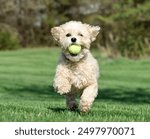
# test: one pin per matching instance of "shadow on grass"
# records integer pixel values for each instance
(57, 109)
(32, 91)
(126, 95)
(60, 110)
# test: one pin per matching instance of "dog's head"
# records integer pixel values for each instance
(75, 32)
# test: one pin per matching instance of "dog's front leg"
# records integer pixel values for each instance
(88, 97)
(61, 81)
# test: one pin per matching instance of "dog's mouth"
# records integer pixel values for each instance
(73, 55)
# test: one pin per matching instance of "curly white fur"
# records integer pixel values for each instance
(76, 74)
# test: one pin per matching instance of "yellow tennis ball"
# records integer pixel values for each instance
(74, 49)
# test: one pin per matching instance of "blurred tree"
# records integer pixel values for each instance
(125, 24)
(25, 15)
(127, 27)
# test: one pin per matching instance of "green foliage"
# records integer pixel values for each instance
(8, 42)
(129, 24)
(26, 92)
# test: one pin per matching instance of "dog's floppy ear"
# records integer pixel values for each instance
(56, 32)
(94, 30)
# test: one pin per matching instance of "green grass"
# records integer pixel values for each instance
(26, 92)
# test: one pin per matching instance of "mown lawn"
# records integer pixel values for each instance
(26, 92)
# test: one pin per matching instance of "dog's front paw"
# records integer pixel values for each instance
(63, 89)
(85, 106)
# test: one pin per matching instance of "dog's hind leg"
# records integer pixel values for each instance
(88, 96)
(71, 102)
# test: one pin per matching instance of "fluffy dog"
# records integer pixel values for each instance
(76, 74)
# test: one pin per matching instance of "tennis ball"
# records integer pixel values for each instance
(74, 49)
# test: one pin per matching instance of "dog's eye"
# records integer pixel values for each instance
(80, 34)
(68, 35)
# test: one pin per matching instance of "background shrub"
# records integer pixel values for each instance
(9, 38)
(8, 42)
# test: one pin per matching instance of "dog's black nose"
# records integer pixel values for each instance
(73, 39)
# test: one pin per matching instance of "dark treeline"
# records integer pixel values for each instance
(125, 24)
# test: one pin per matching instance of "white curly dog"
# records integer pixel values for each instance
(76, 73)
